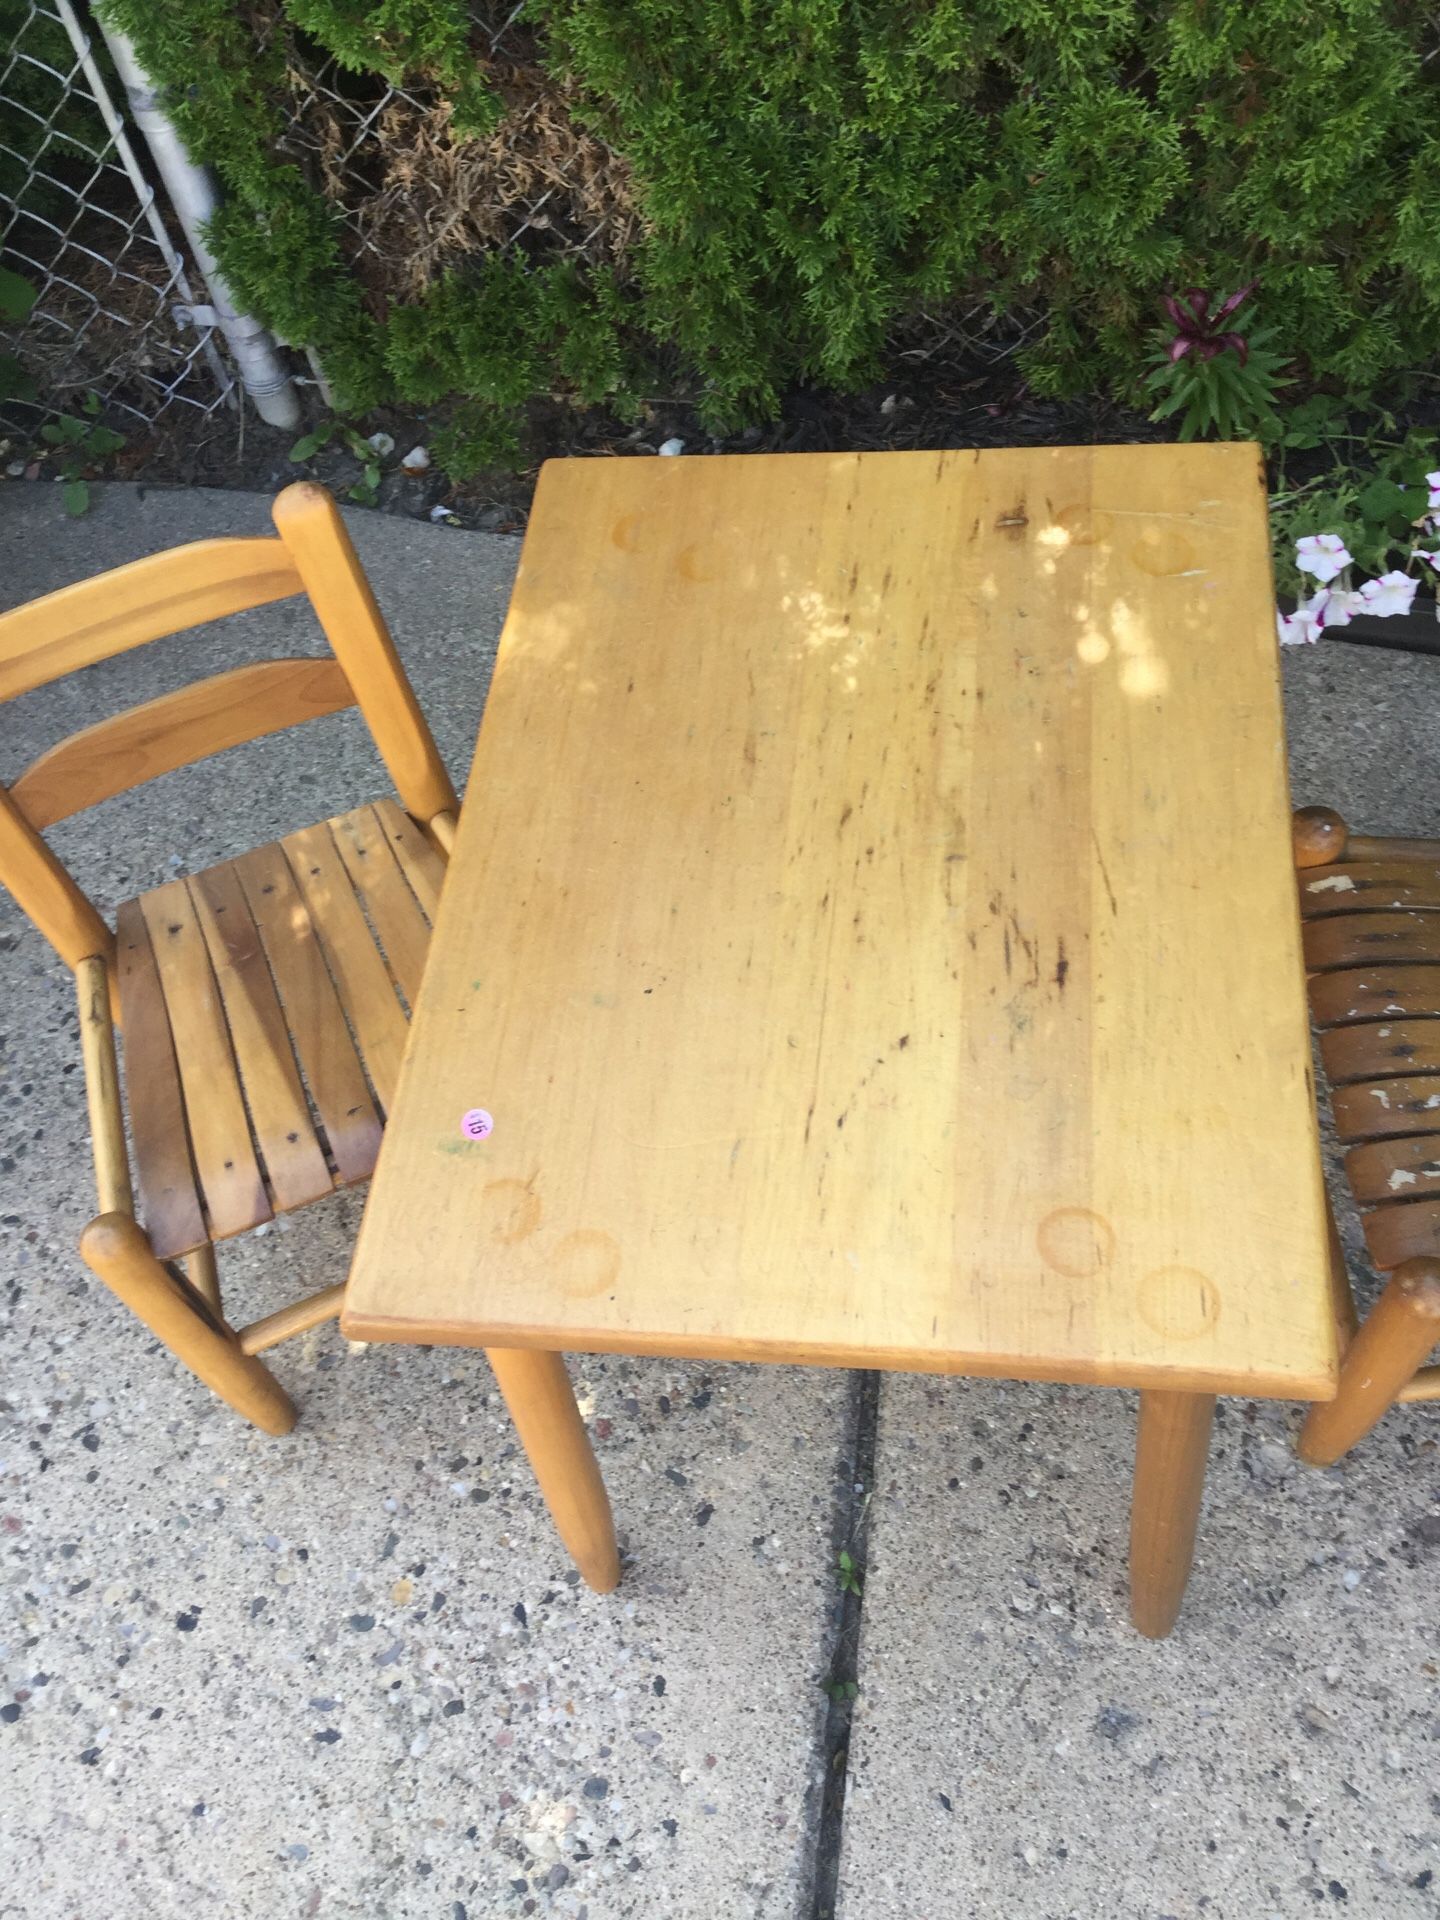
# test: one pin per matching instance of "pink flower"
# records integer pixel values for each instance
(1197, 330)
(1432, 480)
(1391, 593)
(1323, 554)
(1303, 627)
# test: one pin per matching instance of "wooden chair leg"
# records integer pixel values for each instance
(204, 1275)
(1170, 1453)
(541, 1400)
(118, 1252)
(1402, 1327)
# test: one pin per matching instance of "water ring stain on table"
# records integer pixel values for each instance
(510, 1211)
(1075, 1241)
(1180, 1303)
(1163, 554)
(1085, 525)
(585, 1263)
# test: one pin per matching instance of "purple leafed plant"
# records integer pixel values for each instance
(1198, 331)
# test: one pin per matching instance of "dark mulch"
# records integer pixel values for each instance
(944, 389)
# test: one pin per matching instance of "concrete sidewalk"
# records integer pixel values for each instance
(350, 1673)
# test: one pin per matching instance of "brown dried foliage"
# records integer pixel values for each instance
(418, 199)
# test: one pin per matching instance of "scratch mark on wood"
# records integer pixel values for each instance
(1105, 873)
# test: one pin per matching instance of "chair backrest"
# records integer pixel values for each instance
(165, 594)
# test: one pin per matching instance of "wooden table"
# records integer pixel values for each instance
(872, 934)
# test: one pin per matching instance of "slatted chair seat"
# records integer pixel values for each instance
(264, 1006)
(1370, 914)
(1379, 1028)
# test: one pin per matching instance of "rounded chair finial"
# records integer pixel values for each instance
(1319, 836)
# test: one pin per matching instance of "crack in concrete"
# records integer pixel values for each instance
(852, 1512)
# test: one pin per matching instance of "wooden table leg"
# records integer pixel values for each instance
(1170, 1451)
(541, 1400)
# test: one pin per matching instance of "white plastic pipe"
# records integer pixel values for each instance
(194, 196)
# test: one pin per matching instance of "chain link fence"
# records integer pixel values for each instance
(115, 312)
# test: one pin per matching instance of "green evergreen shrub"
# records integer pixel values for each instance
(808, 172)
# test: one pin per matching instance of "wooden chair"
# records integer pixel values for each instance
(1371, 914)
(260, 1001)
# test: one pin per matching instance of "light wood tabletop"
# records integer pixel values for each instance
(871, 938)
(872, 932)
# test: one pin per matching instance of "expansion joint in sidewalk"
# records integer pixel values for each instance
(852, 1511)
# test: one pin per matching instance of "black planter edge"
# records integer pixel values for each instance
(1404, 633)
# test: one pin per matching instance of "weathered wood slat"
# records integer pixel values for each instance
(328, 1059)
(290, 1154)
(225, 1163)
(1369, 886)
(1370, 1049)
(1376, 1109)
(1375, 992)
(1404, 1169)
(389, 901)
(1400, 1232)
(421, 865)
(1372, 939)
(356, 964)
(170, 1200)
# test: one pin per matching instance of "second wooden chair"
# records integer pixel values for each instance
(1371, 914)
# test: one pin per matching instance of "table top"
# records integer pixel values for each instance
(871, 935)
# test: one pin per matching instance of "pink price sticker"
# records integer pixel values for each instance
(477, 1124)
